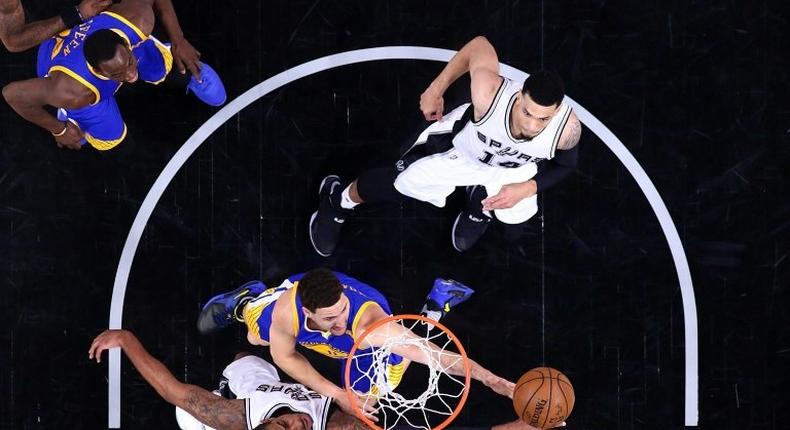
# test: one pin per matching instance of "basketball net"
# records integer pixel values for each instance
(444, 394)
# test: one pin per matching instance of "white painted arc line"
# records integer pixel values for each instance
(395, 53)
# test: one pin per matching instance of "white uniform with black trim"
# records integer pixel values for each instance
(484, 153)
(257, 382)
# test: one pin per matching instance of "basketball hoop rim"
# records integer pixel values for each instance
(357, 342)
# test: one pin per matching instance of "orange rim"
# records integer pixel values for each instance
(379, 323)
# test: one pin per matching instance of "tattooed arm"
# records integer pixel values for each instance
(18, 36)
(215, 411)
(571, 133)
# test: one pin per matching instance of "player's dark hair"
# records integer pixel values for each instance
(544, 87)
(100, 46)
(319, 288)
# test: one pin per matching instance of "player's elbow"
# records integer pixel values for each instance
(13, 95)
(481, 42)
(481, 39)
(8, 93)
(15, 45)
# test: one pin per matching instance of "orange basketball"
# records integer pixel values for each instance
(543, 397)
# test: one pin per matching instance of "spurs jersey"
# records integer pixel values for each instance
(272, 397)
(257, 382)
(490, 141)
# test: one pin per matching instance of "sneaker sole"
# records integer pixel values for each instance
(452, 233)
(312, 217)
(312, 242)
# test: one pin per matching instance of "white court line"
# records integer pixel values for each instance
(396, 53)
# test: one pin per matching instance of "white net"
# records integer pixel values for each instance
(428, 402)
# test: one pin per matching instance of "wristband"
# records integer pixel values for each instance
(71, 16)
(65, 127)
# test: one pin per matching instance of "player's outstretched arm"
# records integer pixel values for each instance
(450, 361)
(209, 409)
(282, 346)
(477, 57)
(17, 36)
(185, 55)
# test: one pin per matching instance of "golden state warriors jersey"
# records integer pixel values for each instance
(66, 54)
(360, 296)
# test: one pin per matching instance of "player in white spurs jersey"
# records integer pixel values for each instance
(263, 401)
(510, 142)
(251, 396)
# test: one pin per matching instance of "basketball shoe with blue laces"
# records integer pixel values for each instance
(445, 294)
(224, 309)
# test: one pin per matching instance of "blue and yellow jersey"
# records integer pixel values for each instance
(66, 54)
(360, 297)
(101, 120)
(258, 318)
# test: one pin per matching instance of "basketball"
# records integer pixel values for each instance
(543, 397)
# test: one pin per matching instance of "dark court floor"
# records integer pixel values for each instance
(695, 90)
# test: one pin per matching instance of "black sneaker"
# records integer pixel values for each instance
(471, 223)
(327, 221)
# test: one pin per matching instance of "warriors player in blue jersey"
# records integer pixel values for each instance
(81, 69)
(325, 311)
(513, 141)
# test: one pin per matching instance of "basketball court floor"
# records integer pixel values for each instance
(665, 309)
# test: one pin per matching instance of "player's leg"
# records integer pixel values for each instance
(525, 209)
(413, 175)
(473, 221)
(362, 377)
(224, 309)
(102, 123)
(444, 295)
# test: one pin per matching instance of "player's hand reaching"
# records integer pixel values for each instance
(71, 137)
(500, 385)
(509, 195)
(431, 105)
(364, 403)
(90, 8)
(186, 57)
(108, 339)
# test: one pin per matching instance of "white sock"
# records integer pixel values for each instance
(345, 199)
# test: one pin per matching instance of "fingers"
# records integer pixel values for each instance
(95, 350)
(180, 65)
(194, 68)
(490, 203)
(367, 407)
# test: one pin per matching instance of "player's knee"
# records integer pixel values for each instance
(254, 339)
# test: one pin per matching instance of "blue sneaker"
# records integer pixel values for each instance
(445, 294)
(210, 91)
(223, 309)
